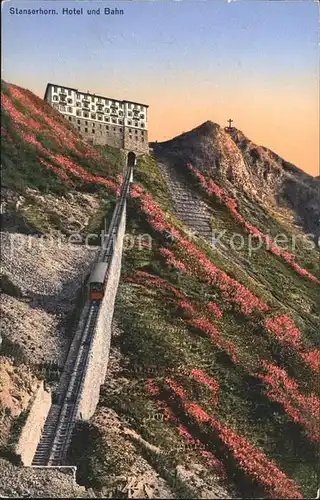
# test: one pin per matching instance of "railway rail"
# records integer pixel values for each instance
(57, 432)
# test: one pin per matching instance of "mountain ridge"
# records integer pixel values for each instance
(255, 170)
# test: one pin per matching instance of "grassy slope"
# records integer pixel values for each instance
(31, 132)
(156, 341)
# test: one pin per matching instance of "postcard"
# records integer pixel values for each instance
(160, 249)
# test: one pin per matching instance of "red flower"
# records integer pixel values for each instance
(212, 306)
(284, 330)
(304, 410)
(211, 188)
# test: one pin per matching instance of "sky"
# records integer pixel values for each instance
(254, 61)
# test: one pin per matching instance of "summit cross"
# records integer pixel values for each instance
(230, 122)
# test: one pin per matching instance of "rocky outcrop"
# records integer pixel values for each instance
(239, 164)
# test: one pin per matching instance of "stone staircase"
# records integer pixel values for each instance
(188, 206)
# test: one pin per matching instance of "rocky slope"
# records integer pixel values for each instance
(212, 388)
(259, 172)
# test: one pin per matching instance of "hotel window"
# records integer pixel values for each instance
(114, 121)
(142, 139)
(79, 128)
(136, 124)
(69, 100)
(107, 127)
(85, 114)
(55, 89)
(129, 113)
(100, 125)
(93, 124)
(107, 119)
(120, 122)
(114, 128)
(93, 115)
(92, 106)
(69, 92)
(130, 130)
(93, 131)
(70, 118)
(55, 98)
(78, 122)
(78, 96)
(121, 129)
(142, 116)
(78, 104)
(62, 108)
(136, 131)
(99, 117)
(86, 123)
(78, 113)
(70, 109)
(86, 130)
(142, 124)
(129, 122)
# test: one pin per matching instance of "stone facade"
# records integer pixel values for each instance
(31, 432)
(102, 120)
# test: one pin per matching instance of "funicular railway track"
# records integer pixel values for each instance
(57, 432)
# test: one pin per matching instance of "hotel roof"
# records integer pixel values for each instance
(90, 93)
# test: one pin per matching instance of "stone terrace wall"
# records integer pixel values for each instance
(99, 351)
(31, 432)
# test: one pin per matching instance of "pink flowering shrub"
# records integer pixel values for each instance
(40, 118)
(203, 378)
(192, 443)
(171, 260)
(211, 188)
(284, 330)
(304, 410)
(312, 359)
(248, 458)
(194, 261)
(213, 307)
(188, 258)
(56, 170)
(194, 319)
(187, 307)
(233, 292)
(205, 326)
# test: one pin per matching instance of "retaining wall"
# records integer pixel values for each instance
(99, 351)
(31, 431)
